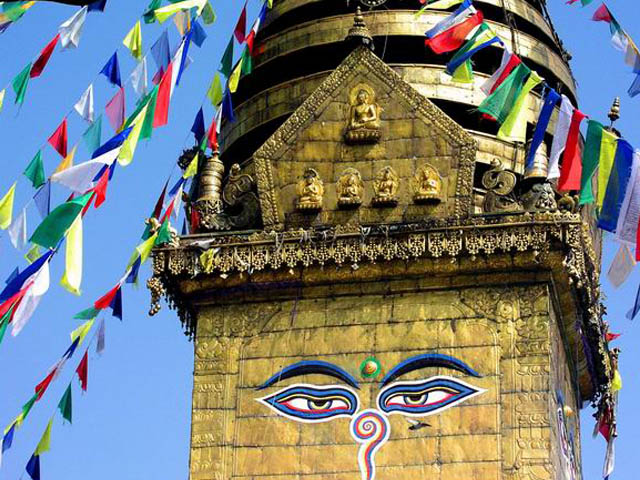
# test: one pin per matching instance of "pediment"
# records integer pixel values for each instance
(388, 143)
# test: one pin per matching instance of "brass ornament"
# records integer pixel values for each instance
(310, 191)
(540, 197)
(237, 185)
(499, 184)
(364, 116)
(539, 168)
(209, 202)
(350, 189)
(385, 188)
(427, 185)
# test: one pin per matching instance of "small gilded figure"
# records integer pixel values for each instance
(428, 185)
(385, 188)
(364, 117)
(350, 188)
(310, 191)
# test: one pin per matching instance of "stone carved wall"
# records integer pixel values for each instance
(504, 433)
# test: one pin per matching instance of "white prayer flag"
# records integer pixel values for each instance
(84, 107)
(560, 137)
(71, 30)
(630, 210)
(18, 231)
(139, 78)
(79, 178)
(39, 286)
(621, 266)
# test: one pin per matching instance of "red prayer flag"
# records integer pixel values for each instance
(161, 115)
(58, 140)
(83, 370)
(638, 242)
(106, 300)
(612, 336)
(454, 37)
(45, 55)
(157, 211)
(212, 135)
(195, 220)
(602, 14)
(167, 213)
(571, 169)
(241, 26)
(100, 190)
(44, 384)
(513, 62)
(13, 300)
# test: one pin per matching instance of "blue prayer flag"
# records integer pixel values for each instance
(160, 51)
(42, 199)
(185, 51)
(135, 268)
(72, 348)
(112, 70)
(177, 186)
(631, 314)
(97, 6)
(7, 441)
(616, 187)
(198, 127)
(550, 100)
(199, 35)
(33, 467)
(93, 135)
(113, 143)
(116, 304)
(13, 275)
(227, 106)
(16, 284)
(635, 87)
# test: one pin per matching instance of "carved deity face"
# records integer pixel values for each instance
(363, 97)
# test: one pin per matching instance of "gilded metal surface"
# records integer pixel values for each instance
(539, 167)
(427, 185)
(385, 188)
(363, 125)
(310, 191)
(499, 184)
(350, 189)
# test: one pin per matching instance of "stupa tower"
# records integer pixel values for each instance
(376, 288)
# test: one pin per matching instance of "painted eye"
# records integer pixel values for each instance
(425, 397)
(311, 403)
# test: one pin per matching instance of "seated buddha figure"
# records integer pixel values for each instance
(350, 188)
(386, 187)
(428, 185)
(364, 119)
(310, 191)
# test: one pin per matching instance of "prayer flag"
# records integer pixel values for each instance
(7, 440)
(198, 126)
(82, 331)
(82, 371)
(65, 405)
(116, 304)
(161, 116)
(133, 273)
(38, 287)
(58, 139)
(84, 106)
(616, 383)
(618, 36)
(208, 15)
(26, 408)
(199, 35)
(438, 5)
(181, 60)
(2, 93)
(482, 38)
(163, 13)
(101, 188)
(45, 55)
(616, 187)
(104, 301)
(112, 144)
(247, 62)
(80, 178)
(450, 33)
(112, 70)
(44, 445)
(500, 102)
(215, 91)
(101, 337)
(192, 168)
(161, 51)
(93, 135)
(20, 83)
(560, 135)
(227, 106)
(157, 210)
(548, 104)
(66, 162)
(571, 171)
(633, 90)
(235, 76)
(71, 30)
(148, 15)
(514, 127)
(143, 250)
(97, 6)
(44, 384)
(609, 337)
(130, 144)
(55, 226)
(212, 135)
(226, 64)
(147, 125)
(627, 227)
(72, 277)
(18, 231)
(87, 314)
(607, 155)
(6, 207)
(631, 314)
(251, 38)
(139, 78)
(33, 467)
(35, 171)
(32, 254)
(621, 266)
(115, 110)
(590, 160)
(182, 21)
(241, 26)
(14, 287)
(133, 41)
(508, 63)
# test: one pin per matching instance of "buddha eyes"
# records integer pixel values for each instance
(425, 397)
(310, 403)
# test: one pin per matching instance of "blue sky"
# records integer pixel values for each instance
(134, 421)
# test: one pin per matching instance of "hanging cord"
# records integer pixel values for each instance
(510, 21)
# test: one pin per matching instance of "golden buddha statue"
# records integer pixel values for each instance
(385, 188)
(350, 188)
(310, 191)
(364, 116)
(428, 185)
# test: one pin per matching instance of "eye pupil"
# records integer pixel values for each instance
(319, 404)
(416, 399)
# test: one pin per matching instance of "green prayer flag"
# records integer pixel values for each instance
(20, 83)
(87, 314)
(501, 101)
(65, 405)
(148, 16)
(26, 408)
(32, 254)
(147, 124)
(215, 91)
(590, 160)
(58, 222)
(4, 323)
(247, 62)
(208, 15)
(164, 236)
(35, 171)
(226, 64)
(92, 137)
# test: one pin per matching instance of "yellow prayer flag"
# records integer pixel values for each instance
(6, 207)
(133, 41)
(44, 445)
(192, 169)
(616, 382)
(438, 5)
(215, 91)
(514, 127)
(33, 254)
(2, 97)
(72, 277)
(608, 148)
(82, 331)
(125, 157)
(143, 250)
(183, 22)
(17, 422)
(463, 74)
(67, 162)
(234, 78)
(270, 3)
(164, 13)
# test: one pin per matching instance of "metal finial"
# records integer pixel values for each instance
(614, 112)
(359, 33)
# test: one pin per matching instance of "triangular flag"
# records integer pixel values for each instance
(161, 51)
(16, 285)
(33, 467)
(251, 38)
(182, 22)
(133, 41)
(571, 170)
(20, 83)
(227, 107)
(32, 254)
(215, 90)
(116, 304)
(87, 314)
(45, 55)
(101, 188)
(208, 15)
(548, 105)
(199, 35)
(6, 207)
(58, 139)
(71, 30)
(18, 231)
(112, 70)
(2, 93)
(247, 62)
(104, 301)
(130, 144)
(82, 371)
(164, 13)
(97, 6)
(198, 126)
(139, 78)
(84, 106)
(35, 171)
(44, 384)
(66, 162)
(212, 135)
(93, 135)
(161, 116)
(621, 266)
(560, 135)
(65, 405)
(148, 14)
(35, 291)
(72, 277)
(7, 440)
(26, 408)
(241, 26)
(192, 168)
(101, 337)
(115, 110)
(133, 273)
(55, 226)
(226, 64)
(82, 331)
(45, 442)
(610, 337)
(514, 127)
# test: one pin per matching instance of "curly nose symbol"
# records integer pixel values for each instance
(371, 429)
